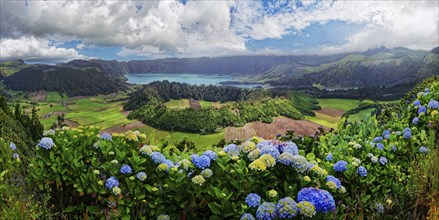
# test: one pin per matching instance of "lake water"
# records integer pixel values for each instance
(193, 79)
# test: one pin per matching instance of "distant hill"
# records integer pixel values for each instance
(72, 81)
(379, 67)
(8, 68)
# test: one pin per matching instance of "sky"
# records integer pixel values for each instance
(58, 31)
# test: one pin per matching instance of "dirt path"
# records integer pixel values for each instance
(39, 96)
(71, 123)
(195, 104)
(282, 124)
(333, 112)
(123, 129)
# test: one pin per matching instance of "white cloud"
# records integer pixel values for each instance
(213, 28)
(34, 49)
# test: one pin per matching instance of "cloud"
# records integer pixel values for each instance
(213, 28)
(35, 49)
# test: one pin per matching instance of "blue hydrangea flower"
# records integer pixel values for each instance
(15, 156)
(210, 154)
(286, 158)
(423, 149)
(379, 207)
(380, 146)
(415, 120)
(300, 163)
(291, 148)
(253, 200)
(286, 208)
(12, 146)
(362, 171)
(141, 176)
(377, 139)
(427, 90)
(321, 199)
(329, 157)
(383, 160)
(271, 150)
(340, 166)
(433, 104)
(201, 162)
(407, 129)
(386, 132)
(337, 182)
(407, 135)
(393, 148)
(46, 143)
(231, 147)
(106, 136)
(169, 163)
(266, 211)
(231, 150)
(422, 109)
(111, 183)
(126, 169)
(416, 103)
(158, 157)
(247, 216)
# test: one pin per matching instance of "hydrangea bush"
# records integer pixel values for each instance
(362, 171)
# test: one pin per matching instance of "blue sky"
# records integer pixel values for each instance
(56, 31)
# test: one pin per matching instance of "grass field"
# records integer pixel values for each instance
(180, 104)
(206, 104)
(201, 141)
(55, 97)
(361, 115)
(92, 112)
(343, 104)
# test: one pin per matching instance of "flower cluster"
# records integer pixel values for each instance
(321, 199)
(201, 162)
(158, 157)
(286, 208)
(106, 136)
(253, 200)
(340, 166)
(46, 143)
(126, 169)
(141, 176)
(111, 183)
(266, 211)
(362, 171)
(337, 182)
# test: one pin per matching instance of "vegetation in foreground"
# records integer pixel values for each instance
(382, 168)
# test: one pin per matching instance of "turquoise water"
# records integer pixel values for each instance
(193, 79)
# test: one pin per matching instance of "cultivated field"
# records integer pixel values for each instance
(239, 133)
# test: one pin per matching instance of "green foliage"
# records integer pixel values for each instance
(71, 81)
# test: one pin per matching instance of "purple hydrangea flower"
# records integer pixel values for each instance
(380, 146)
